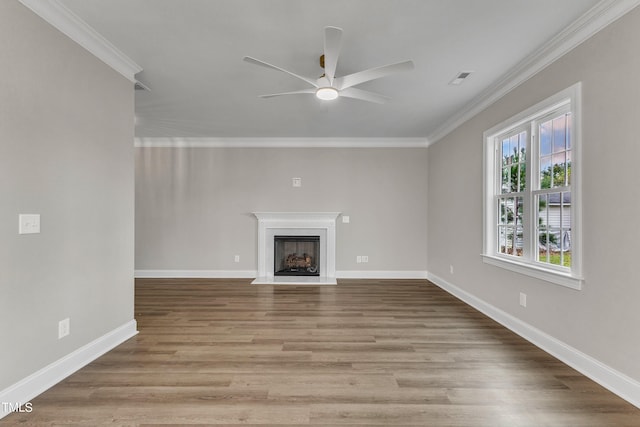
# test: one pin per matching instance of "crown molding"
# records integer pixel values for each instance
(281, 142)
(56, 14)
(594, 20)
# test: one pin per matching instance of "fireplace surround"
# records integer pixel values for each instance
(319, 225)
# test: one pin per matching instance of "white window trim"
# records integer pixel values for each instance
(573, 278)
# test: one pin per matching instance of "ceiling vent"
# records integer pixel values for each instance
(460, 77)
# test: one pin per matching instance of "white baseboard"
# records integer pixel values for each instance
(381, 274)
(196, 274)
(616, 382)
(33, 385)
(251, 274)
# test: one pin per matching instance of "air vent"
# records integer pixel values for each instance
(460, 77)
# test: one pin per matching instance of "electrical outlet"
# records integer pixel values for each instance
(451, 269)
(28, 223)
(236, 258)
(296, 182)
(64, 328)
(345, 219)
(358, 259)
(523, 299)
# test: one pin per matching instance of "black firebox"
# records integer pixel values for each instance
(296, 256)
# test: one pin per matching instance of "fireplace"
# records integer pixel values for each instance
(320, 226)
(296, 255)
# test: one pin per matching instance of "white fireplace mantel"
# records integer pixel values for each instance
(322, 224)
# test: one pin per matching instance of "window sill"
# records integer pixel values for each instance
(556, 277)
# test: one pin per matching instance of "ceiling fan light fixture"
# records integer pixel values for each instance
(327, 93)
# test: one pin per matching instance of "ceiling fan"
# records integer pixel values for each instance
(328, 86)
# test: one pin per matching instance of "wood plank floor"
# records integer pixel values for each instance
(387, 353)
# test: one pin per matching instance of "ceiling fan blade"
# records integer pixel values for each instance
(372, 74)
(363, 95)
(255, 61)
(295, 92)
(332, 45)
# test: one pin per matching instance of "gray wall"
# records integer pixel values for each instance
(601, 320)
(66, 135)
(193, 205)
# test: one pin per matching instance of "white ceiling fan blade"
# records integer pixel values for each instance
(295, 92)
(363, 95)
(372, 74)
(255, 61)
(332, 45)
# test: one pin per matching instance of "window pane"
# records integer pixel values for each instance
(519, 241)
(555, 169)
(564, 236)
(513, 158)
(502, 209)
(566, 248)
(505, 186)
(510, 211)
(510, 237)
(545, 138)
(502, 239)
(545, 172)
(519, 201)
(559, 169)
(510, 240)
(568, 116)
(554, 228)
(514, 149)
(522, 144)
(505, 152)
(542, 221)
(510, 230)
(559, 134)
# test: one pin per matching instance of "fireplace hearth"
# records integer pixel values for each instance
(296, 255)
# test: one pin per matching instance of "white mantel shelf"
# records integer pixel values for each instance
(278, 217)
(296, 223)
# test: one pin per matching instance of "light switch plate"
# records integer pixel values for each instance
(64, 327)
(523, 299)
(28, 223)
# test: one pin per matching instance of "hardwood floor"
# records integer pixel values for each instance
(362, 353)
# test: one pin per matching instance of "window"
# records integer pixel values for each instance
(531, 191)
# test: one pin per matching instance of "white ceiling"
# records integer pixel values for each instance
(191, 54)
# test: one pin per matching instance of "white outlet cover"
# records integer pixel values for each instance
(63, 328)
(236, 258)
(345, 219)
(523, 299)
(365, 258)
(358, 259)
(28, 223)
(297, 182)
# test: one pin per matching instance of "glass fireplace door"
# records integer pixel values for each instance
(296, 255)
